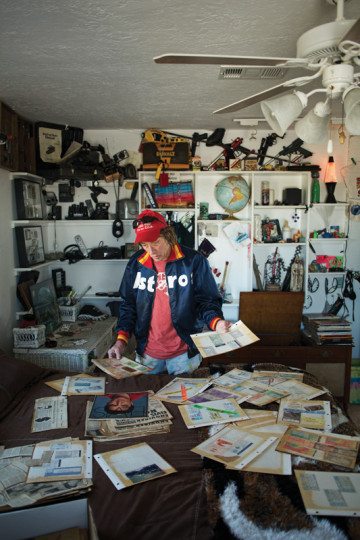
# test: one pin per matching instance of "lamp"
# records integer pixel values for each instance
(351, 100)
(313, 127)
(330, 180)
(282, 111)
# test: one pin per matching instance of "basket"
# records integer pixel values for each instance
(31, 337)
(69, 313)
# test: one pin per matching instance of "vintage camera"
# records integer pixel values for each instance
(77, 211)
(101, 211)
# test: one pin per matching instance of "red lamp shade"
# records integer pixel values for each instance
(330, 171)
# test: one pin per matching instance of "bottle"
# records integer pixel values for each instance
(265, 193)
(315, 187)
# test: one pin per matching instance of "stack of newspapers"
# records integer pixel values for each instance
(327, 329)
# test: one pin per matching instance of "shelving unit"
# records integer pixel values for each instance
(105, 275)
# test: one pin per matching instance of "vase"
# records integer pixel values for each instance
(330, 189)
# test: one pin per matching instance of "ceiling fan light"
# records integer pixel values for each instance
(313, 127)
(281, 112)
(352, 110)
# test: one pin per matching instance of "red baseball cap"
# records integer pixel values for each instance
(148, 226)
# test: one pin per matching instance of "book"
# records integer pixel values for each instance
(210, 413)
(132, 465)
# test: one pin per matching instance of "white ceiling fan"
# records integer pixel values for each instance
(331, 50)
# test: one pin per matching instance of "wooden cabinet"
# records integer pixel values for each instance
(9, 152)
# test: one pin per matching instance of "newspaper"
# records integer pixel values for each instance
(120, 368)
(49, 413)
(214, 343)
(133, 465)
(16, 493)
(308, 414)
(234, 447)
(330, 493)
(329, 447)
(61, 460)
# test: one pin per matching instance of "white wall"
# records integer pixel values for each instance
(116, 140)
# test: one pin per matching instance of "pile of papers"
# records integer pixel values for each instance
(149, 418)
(44, 471)
(327, 329)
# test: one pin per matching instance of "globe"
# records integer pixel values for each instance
(232, 193)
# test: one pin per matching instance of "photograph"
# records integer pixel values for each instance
(46, 308)
(121, 405)
(30, 245)
(271, 230)
(29, 199)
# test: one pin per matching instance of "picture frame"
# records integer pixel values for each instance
(30, 245)
(130, 249)
(271, 231)
(29, 199)
(46, 308)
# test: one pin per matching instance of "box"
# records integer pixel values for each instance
(69, 313)
(174, 155)
(83, 341)
(40, 520)
(31, 337)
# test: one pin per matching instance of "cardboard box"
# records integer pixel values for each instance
(40, 520)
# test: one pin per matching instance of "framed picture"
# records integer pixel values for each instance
(271, 230)
(130, 249)
(29, 199)
(46, 309)
(30, 245)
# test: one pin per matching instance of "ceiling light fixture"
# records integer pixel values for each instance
(339, 82)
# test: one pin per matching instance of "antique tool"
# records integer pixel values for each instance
(222, 286)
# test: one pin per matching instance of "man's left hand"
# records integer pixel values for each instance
(223, 326)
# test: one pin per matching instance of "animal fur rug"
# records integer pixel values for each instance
(254, 506)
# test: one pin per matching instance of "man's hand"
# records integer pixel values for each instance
(117, 350)
(223, 326)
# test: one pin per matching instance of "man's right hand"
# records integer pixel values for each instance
(117, 350)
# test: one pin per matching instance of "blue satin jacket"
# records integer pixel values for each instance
(193, 296)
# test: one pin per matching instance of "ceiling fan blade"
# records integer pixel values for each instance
(274, 91)
(218, 59)
(353, 34)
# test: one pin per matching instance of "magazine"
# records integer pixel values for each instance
(133, 465)
(330, 493)
(214, 343)
(120, 368)
(329, 447)
(210, 413)
(308, 414)
(234, 447)
(120, 405)
(49, 413)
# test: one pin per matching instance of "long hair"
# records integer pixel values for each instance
(169, 234)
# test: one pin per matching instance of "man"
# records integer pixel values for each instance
(122, 402)
(167, 293)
